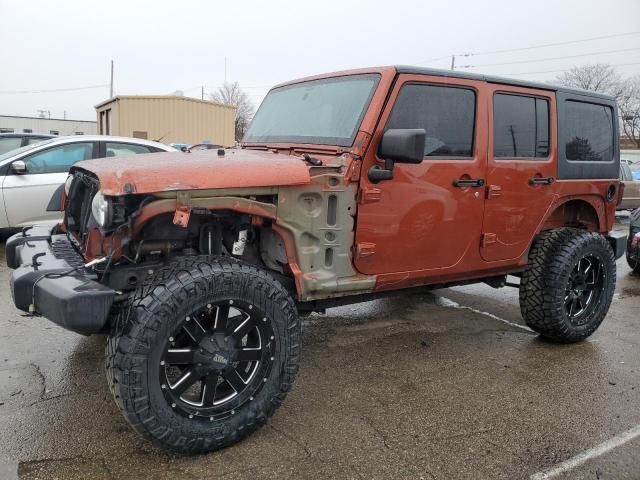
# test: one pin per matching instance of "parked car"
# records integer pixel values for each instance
(633, 242)
(204, 146)
(347, 186)
(631, 195)
(11, 141)
(31, 175)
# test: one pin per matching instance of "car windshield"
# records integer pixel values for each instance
(326, 111)
(18, 151)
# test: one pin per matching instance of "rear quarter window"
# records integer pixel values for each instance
(588, 136)
(589, 132)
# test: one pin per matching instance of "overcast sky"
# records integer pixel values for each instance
(162, 46)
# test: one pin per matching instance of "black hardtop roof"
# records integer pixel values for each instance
(500, 80)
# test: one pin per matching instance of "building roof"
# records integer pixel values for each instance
(47, 118)
(161, 97)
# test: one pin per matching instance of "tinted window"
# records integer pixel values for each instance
(520, 126)
(9, 143)
(446, 113)
(58, 159)
(589, 132)
(115, 149)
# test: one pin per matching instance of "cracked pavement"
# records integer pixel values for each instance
(404, 387)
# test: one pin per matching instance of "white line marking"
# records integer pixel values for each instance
(446, 302)
(583, 457)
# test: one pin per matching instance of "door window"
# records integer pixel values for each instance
(9, 143)
(114, 149)
(447, 114)
(58, 159)
(520, 126)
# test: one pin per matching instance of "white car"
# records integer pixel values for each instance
(32, 175)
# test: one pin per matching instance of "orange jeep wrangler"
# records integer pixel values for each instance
(347, 186)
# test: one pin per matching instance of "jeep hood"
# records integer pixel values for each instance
(165, 171)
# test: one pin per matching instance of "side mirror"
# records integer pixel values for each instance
(405, 145)
(402, 145)
(19, 167)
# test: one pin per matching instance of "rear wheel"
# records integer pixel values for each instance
(206, 354)
(567, 288)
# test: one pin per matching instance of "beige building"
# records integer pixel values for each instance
(168, 119)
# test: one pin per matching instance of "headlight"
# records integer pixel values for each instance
(67, 184)
(101, 210)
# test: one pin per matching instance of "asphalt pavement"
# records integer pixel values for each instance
(439, 385)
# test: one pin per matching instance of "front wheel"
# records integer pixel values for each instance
(567, 288)
(206, 354)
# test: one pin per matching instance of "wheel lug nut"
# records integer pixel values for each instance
(162, 362)
(171, 339)
(190, 416)
(173, 405)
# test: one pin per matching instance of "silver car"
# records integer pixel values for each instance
(31, 175)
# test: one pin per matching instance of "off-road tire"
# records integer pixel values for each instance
(552, 258)
(139, 331)
(634, 264)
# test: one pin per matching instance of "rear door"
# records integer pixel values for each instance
(27, 195)
(521, 169)
(427, 220)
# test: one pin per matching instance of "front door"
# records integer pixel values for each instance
(521, 169)
(429, 216)
(27, 195)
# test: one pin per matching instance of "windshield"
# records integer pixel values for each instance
(18, 151)
(326, 111)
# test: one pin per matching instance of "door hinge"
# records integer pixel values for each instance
(369, 195)
(494, 191)
(365, 249)
(183, 209)
(488, 239)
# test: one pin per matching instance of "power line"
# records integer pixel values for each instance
(566, 70)
(554, 44)
(550, 58)
(532, 47)
(53, 89)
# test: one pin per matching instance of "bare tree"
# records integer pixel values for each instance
(605, 79)
(597, 78)
(629, 107)
(232, 94)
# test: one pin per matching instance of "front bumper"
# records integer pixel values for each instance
(75, 300)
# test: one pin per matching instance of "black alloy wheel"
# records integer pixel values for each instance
(584, 288)
(217, 359)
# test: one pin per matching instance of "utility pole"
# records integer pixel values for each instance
(64, 115)
(111, 83)
(453, 62)
(203, 92)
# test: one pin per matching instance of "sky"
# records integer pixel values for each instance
(161, 46)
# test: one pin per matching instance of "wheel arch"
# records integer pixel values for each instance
(584, 212)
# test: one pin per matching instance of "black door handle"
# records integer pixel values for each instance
(468, 182)
(541, 181)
